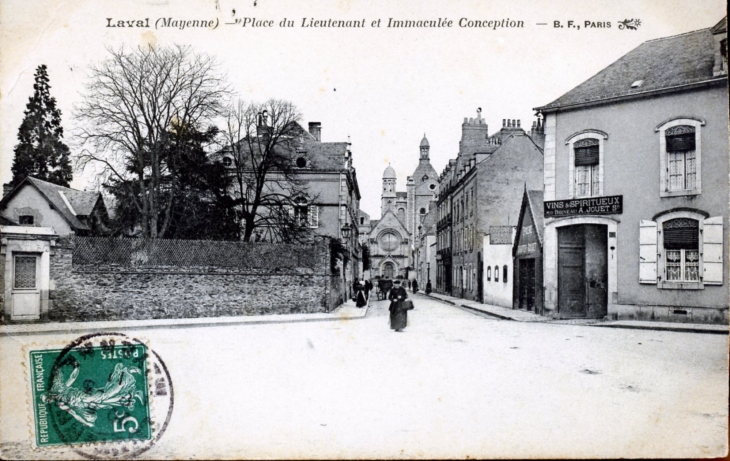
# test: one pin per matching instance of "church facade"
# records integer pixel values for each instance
(391, 237)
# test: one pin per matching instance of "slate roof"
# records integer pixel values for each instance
(71, 203)
(661, 63)
(720, 27)
(401, 195)
(7, 222)
(326, 155)
(535, 198)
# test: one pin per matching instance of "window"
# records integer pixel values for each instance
(304, 214)
(585, 163)
(424, 178)
(26, 220)
(496, 273)
(227, 161)
(489, 273)
(680, 157)
(504, 273)
(301, 162)
(681, 250)
(432, 186)
(422, 211)
(388, 241)
(25, 272)
(586, 154)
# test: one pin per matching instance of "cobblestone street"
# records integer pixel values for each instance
(453, 384)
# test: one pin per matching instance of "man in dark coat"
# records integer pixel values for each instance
(414, 286)
(428, 288)
(398, 308)
(360, 297)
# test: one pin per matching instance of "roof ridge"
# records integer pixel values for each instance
(677, 35)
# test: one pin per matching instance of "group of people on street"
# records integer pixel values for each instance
(400, 304)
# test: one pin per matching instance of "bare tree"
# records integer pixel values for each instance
(262, 140)
(134, 106)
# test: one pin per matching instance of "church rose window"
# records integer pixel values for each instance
(388, 242)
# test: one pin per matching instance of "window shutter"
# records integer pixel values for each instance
(680, 138)
(313, 216)
(586, 152)
(647, 252)
(681, 233)
(712, 251)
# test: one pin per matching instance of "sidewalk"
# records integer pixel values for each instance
(346, 311)
(504, 313)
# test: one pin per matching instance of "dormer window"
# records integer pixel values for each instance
(637, 84)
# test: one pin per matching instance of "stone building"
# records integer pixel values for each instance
(68, 211)
(478, 207)
(636, 186)
(391, 238)
(327, 194)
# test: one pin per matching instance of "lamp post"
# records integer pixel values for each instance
(345, 232)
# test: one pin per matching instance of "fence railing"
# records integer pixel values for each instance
(193, 253)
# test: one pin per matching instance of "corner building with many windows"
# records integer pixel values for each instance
(636, 186)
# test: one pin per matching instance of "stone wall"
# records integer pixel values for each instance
(93, 292)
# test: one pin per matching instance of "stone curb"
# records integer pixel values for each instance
(678, 329)
(13, 330)
(698, 328)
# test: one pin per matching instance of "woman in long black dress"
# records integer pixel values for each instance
(361, 299)
(398, 307)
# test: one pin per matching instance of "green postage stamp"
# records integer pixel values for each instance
(99, 391)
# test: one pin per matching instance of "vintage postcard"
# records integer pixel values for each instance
(348, 229)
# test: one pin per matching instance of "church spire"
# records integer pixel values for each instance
(424, 148)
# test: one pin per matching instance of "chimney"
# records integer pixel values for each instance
(537, 133)
(7, 188)
(315, 129)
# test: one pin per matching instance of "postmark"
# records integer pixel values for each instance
(104, 395)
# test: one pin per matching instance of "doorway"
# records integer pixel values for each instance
(388, 270)
(26, 292)
(583, 271)
(526, 284)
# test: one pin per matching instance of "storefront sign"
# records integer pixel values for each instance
(585, 206)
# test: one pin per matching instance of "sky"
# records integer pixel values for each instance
(382, 88)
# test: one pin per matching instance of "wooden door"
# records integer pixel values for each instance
(583, 271)
(596, 242)
(26, 293)
(571, 271)
(527, 284)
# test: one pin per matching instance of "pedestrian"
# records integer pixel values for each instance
(414, 284)
(428, 288)
(399, 306)
(409, 284)
(368, 289)
(360, 298)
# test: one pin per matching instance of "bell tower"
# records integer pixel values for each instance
(388, 195)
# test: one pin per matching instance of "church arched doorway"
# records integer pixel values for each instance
(388, 270)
